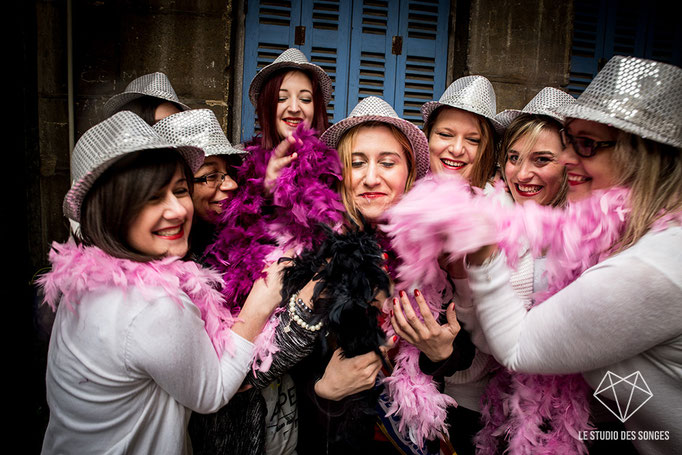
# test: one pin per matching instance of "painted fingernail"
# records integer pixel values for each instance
(384, 256)
(395, 301)
(417, 293)
(402, 293)
(385, 268)
(395, 337)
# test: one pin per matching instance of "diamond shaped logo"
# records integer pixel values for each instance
(625, 395)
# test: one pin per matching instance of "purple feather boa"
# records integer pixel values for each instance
(254, 231)
(443, 215)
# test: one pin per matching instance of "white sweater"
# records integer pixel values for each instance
(622, 315)
(125, 370)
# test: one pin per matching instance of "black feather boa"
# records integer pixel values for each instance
(348, 268)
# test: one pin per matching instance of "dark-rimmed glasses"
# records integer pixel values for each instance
(212, 180)
(583, 146)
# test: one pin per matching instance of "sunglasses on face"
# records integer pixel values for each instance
(583, 146)
(212, 180)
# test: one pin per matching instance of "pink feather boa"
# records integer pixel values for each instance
(253, 231)
(78, 270)
(442, 215)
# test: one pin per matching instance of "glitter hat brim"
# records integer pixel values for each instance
(155, 85)
(635, 95)
(582, 112)
(428, 108)
(76, 194)
(323, 79)
(107, 142)
(506, 117)
(197, 128)
(416, 137)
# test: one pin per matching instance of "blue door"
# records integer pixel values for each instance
(396, 50)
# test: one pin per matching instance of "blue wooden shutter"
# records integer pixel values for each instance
(270, 27)
(588, 43)
(328, 26)
(421, 67)
(372, 65)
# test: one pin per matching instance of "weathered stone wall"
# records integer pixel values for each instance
(520, 45)
(113, 43)
(188, 40)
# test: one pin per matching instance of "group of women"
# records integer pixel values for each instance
(551, 237)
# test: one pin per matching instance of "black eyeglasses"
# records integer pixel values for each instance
(212, 180)
(583, 146)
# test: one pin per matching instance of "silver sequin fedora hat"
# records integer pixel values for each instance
(155, 85)
(103, 144)
(294, 59)
(542, 104)
(638, 96)
(197, 128)
(373, 109)
(470, 93)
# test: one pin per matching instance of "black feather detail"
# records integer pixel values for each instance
(349, 274)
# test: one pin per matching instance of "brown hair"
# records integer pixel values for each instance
(530, 126)
(484, 168)
(653, 172)
(120, 193)
(345, 148)
(266, 107)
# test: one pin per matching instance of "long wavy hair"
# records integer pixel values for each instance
(653, 172)
(266, 108)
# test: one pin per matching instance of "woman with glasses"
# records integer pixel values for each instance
(214, 182)
(614, 310)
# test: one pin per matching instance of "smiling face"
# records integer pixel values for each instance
(162, 226)
(379, 171)
(596, 172)
(207, 199)
(533, 171)
(454, 142)
(295, 103)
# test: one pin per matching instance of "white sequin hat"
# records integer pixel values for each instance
(103, 144)
(373, 109)
(542, 104)
(155, 85)
(293, 59)
(639, 96)
(470, 93)
(197, 128)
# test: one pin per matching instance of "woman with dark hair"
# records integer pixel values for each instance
(215, 182)
(141, 337)
(288, 92)
(280, 205)
(151, 97)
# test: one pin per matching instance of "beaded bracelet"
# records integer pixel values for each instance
(297, 319)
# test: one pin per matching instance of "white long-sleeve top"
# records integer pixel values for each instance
(125, 370)
(623, 315)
